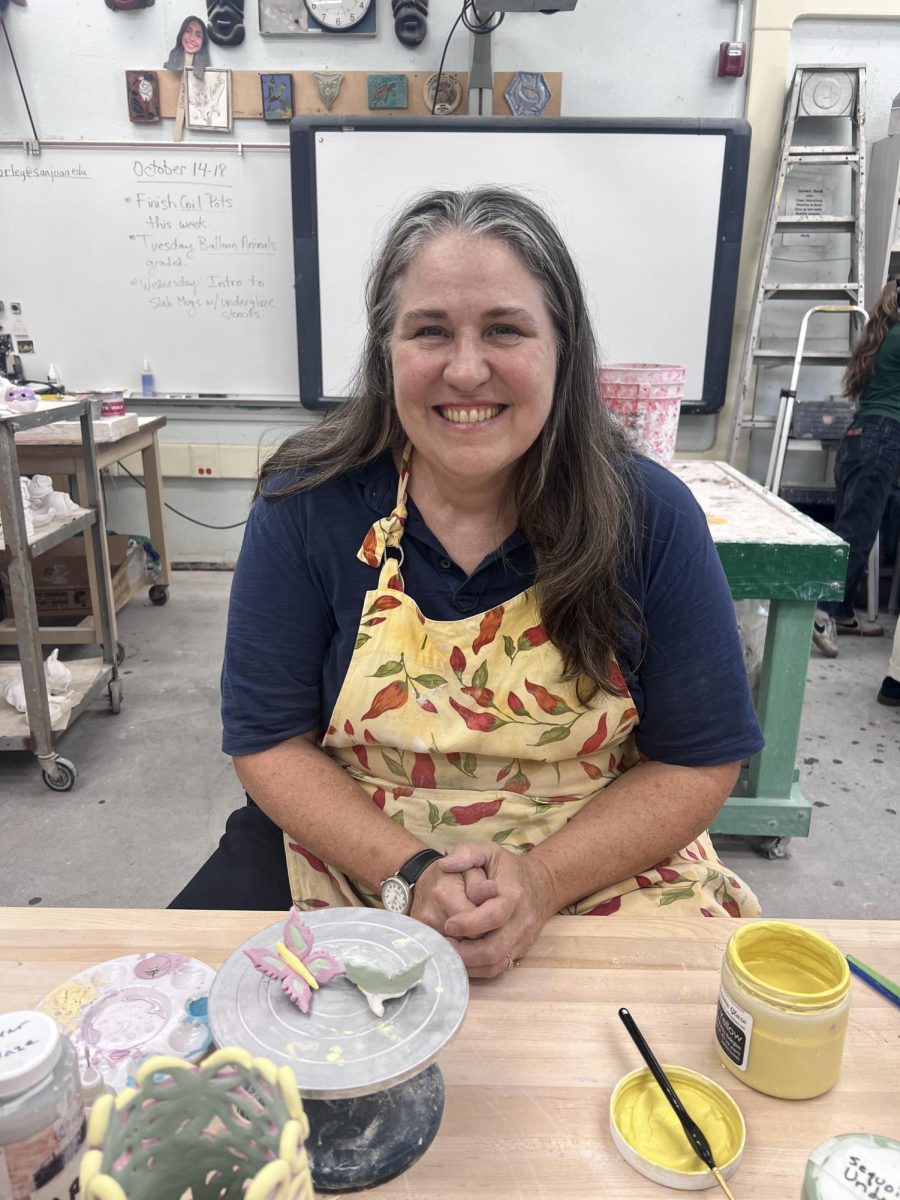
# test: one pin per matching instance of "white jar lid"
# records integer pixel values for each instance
(648, 1135)
(29, 1049)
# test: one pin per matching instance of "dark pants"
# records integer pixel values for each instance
(868, 461)
(248, 870)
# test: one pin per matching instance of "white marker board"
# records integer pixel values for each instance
(178, 255)
(651, 210)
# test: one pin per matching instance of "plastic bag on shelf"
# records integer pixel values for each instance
(752, 619)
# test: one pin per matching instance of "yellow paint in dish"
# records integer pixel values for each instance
(647, 1124)
(67, 1003)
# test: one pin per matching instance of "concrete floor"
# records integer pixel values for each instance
(154, 788)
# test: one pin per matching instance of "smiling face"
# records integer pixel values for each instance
(474, 358)
(192, 38)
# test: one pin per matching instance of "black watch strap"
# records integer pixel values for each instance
(413, 867)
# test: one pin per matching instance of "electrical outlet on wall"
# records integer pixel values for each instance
(204, 462)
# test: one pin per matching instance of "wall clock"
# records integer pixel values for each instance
(301, 18)
(338, 16)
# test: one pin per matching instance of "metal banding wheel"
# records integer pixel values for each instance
(370, 1085)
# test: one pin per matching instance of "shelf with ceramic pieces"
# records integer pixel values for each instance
(59, 530)
(89, 677)
(45, 718)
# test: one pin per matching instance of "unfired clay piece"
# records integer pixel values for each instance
(378, 986)
(45, 500)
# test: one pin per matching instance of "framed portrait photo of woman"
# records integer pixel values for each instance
(209, 100)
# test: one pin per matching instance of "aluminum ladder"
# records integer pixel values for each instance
(818, 91)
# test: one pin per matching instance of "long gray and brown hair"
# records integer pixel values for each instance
(574, 488)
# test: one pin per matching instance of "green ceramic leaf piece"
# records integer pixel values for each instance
(383, 983)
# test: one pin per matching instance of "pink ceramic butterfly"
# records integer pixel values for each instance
(300, 968)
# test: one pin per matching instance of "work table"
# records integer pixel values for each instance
(530, 1075)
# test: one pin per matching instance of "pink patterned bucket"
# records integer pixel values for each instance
(646, 398)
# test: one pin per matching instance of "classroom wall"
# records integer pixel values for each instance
(618, 59)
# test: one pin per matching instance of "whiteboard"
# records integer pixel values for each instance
(651, 210)
(118, 254)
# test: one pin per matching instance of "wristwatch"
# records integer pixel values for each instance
(397, 889)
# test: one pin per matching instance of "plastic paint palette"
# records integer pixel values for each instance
(128, 1008)
(638, 1103)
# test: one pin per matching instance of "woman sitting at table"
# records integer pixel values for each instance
(468, 619)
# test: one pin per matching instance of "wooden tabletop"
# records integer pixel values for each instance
(530, 1075)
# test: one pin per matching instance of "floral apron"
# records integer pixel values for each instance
(448, 728)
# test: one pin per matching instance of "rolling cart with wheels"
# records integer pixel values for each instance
(60, 454)
(33, 730)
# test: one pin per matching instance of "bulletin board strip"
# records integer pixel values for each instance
(352, 99)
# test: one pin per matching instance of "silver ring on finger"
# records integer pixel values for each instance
(511, 962)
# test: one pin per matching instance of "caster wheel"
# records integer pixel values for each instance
(159, 593)
(115, 695)
(120, 654)
(61, 777)
(774, 847)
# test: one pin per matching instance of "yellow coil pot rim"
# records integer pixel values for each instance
(783, 940)
(690, 1086)
(289, 1170)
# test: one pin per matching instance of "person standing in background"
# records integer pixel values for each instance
(889, 692)
(868, 462)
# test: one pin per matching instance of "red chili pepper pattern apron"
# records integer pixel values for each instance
(449, 727)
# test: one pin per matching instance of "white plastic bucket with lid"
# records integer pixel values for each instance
(646, 399)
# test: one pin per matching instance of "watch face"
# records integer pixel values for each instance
(338, 14)
(395, 895)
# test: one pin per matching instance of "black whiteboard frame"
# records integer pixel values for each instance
(736, 134)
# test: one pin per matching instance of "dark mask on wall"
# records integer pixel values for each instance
(226, 21)
(410, 20)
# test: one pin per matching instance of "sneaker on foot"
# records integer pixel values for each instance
(858, 628)
(824, 633)
(890, 691)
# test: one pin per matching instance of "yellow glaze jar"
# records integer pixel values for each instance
(783, 1007)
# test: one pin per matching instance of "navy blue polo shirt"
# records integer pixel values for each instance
(298, 591)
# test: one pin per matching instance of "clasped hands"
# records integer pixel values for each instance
(489, 903)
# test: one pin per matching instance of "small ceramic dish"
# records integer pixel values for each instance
(649, 1136)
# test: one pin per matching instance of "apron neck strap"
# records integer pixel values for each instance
(387, 531)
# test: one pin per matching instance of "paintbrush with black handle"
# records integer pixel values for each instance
(693, 1131)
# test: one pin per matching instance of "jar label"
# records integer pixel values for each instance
(859, 1167)
(734, 1025)
(44, 1166)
